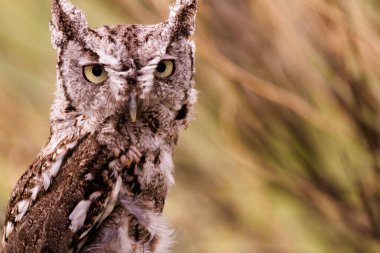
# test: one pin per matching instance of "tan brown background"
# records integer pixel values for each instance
(284, 153)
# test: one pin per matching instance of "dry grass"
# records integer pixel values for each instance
(284, 153)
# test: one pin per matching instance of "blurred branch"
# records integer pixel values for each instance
(263, 88)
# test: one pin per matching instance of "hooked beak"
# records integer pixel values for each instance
(132, 106)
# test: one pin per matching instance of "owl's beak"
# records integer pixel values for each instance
(133, 106)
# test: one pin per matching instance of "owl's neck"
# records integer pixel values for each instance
(147, 134)
(147, 144)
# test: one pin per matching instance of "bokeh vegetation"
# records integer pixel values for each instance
(284, 153)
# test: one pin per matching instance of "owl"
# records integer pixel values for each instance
(123, 94)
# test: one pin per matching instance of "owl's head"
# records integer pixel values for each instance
(139, 72)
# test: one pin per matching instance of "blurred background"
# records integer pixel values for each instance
(284, 153)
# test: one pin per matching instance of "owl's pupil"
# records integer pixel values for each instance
(161, 67)
(97, 70)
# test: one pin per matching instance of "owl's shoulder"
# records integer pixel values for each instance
(49, 211)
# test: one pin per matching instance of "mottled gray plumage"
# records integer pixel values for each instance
(123, 94)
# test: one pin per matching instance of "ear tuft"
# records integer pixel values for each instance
(67, 23)
(182, 17)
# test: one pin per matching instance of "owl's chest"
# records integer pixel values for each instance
(145, 182)
(143, 159)
(137, 177)
(133, 221)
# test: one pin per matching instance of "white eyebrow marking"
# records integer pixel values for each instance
(107, 59)
(86, 62)
(115, 72)
(168, 57)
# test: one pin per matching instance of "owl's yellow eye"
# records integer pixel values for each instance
(164, 69)
(95, 73)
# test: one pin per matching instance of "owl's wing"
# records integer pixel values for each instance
(52, 212)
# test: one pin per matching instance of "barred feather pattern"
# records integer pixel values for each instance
(101, 181)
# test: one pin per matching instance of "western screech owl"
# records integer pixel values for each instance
(123, 94)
